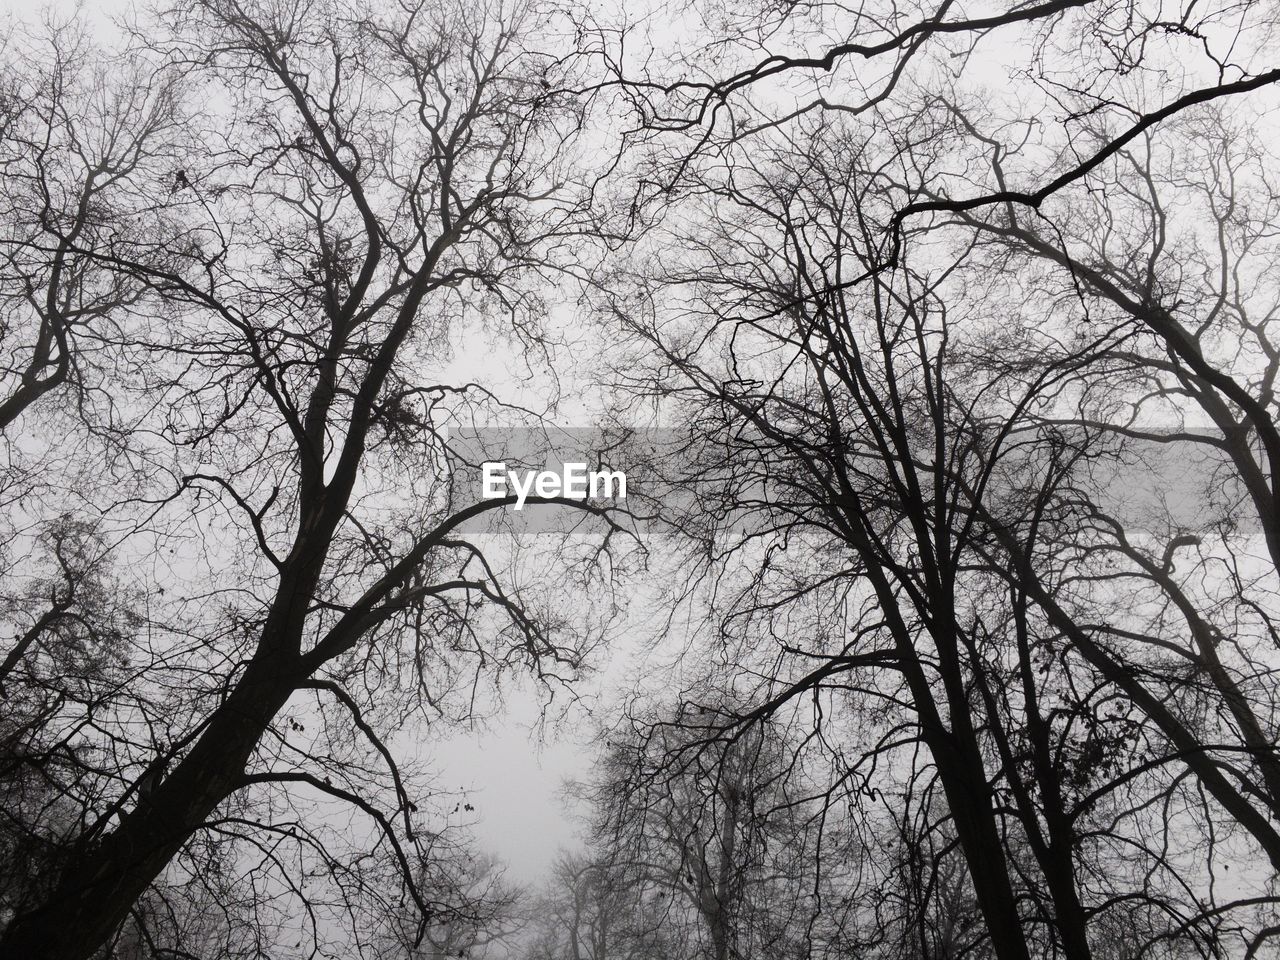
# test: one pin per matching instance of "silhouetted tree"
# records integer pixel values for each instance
(250, 259)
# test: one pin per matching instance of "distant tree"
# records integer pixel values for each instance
(487, 913)
(594, 909)
(717, 829)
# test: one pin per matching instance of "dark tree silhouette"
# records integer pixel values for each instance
(903, 456)
(266, 249)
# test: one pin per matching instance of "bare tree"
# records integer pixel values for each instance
(82, 135)
(915, 333)
(594, 909)
(717, 829)
(366, 182)
(877, 448)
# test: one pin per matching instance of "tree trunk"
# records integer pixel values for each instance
(99, 888)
